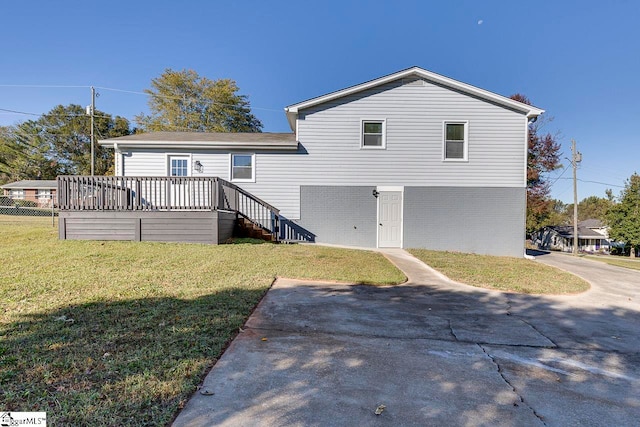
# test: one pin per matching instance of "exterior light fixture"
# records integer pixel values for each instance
(197, 166)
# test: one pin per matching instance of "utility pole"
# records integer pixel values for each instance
(93, 154)
(576, 157)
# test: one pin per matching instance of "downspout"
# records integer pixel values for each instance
(526, 166)
(117, 158)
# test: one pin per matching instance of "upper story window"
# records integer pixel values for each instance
(456, 136)
(373, 134)
(243, 167)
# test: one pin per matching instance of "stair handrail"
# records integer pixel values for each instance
(274, 230)
(226, 183)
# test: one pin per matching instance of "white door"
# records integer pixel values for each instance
(390, 219)
(178, 189)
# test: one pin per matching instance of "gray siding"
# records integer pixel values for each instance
(191, 227)
(339, 215)
(414, 117)
(91, 228)
(463, 219)
(477, 220)
(330, 153)
(226, 226)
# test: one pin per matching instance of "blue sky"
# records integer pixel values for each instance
(578, 60)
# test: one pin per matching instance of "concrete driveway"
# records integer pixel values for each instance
(434, 353)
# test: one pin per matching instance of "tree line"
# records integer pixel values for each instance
(58, 142)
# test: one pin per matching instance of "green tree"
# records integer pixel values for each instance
(58, 143)
(184, 101)
(591, 207)
(543, 156)
(559, 214)
(23, 155)
(67, 130)
(623, 218)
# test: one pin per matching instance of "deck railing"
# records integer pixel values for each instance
(129, 193)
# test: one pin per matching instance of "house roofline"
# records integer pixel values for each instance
(205, 140)
(530, 111)
(30, 184)
(204, 145)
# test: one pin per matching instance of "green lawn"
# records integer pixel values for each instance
(120, 333)
(502, 273)
(633, 264)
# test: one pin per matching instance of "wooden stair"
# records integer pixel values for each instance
(246, 228)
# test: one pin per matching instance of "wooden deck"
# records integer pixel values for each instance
(170, 209)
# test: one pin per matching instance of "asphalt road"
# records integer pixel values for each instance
(433, 352)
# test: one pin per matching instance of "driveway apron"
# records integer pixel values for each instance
(431, 352)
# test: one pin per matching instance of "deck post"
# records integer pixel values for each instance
(62, 227)
(138, 229)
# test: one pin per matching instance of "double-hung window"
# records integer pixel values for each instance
(243, 167)
(456, 140)
(373, 134)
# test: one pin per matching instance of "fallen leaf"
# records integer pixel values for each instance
(264, 338)
(64, 318)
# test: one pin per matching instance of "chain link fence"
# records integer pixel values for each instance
(40, 206)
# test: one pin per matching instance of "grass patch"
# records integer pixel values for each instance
(502, 273)
(120, 333)
(633, 264)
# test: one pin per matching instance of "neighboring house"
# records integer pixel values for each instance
(592, 237)
(411, 159)
(40, 192)
(595, 225)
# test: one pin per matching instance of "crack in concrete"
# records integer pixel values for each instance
(504, 378)
(378, 336)
(508, 309)
(532, 326)
(453, 334)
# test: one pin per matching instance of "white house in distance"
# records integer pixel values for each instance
(41, 193)
(412, 159)
(592, 237)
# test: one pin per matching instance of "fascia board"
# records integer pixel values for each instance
(202, 145)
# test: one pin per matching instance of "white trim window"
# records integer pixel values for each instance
(17, 194)
(44, 193)
(243, 167)
(373, 134)
(178, 165)
(456, 141)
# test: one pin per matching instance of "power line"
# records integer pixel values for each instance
(179, 98)
(52, 115)
(19, 112)
(559, 176)
(47, 86)
(210, 102)
(597, 182)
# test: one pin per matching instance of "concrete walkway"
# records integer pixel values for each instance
(432, 351)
